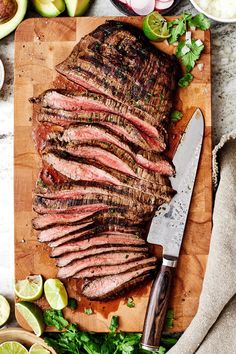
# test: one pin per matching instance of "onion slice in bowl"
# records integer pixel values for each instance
(142, 7)
(163, 4)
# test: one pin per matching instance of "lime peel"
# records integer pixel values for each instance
(155, 27)
(12, 347)
(4, 310)
(33, 315)
(30, 289)
(55, 294)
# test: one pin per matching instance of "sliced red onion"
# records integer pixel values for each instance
(123, 1)
(163, 4)
(142, 7)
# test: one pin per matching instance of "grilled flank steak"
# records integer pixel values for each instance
(104, 173)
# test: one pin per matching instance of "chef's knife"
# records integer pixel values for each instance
(167, 228)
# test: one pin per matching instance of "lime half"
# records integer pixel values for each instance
(38, 349)
(30, 289)
(4, 310)
(12, 348)
(56, 294)
(155, 27)
(33, 315)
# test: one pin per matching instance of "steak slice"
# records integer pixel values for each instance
(88, 101)
(47, 220)
(82, 137)
(59, 231)
(115, 123)
(78, 171)
(103, 259)
(118, 66)
(95, 231)
(111, 286)
(72, 256)
(102, 240)
(105, 270)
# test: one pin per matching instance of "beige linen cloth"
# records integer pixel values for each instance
(213, 329)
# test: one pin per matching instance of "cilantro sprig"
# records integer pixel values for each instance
(187, 51)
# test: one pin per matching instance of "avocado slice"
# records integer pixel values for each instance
(9, 25)
(49, 8)
(77, 7)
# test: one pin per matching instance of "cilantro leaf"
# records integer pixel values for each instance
(169, 317)
(185, 80)
(189, 59)
(176, 116)
(72, 303)
(200, 21)
(55, 318)
(130, 302)
(88, 311)
(178, 27)
(114, 324)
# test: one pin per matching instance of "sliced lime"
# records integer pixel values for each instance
(49, 8)
(4, 310)
(12, 348)
(155, 27)
(30, 289)
(56, 294)
(38, 349)
(33, 315)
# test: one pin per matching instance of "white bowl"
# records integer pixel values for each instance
(2, 74)
(218, 19)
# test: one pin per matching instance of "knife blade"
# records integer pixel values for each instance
(168, 225)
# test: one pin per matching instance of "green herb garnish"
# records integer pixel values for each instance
(130, 302)
(88, 311)
(114, 324)
(176, 116)
(185, 80)
(200, 21)
(178, 27)
(169, 318)
(189, 59)
(55, 318)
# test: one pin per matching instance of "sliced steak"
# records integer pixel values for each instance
(71, 256)
(60, 231)
(95, 231)
(47, 220)
(103, 259)
(115, 123)
(110, 286)
(118, 63)
(104, 270)
(104, 239)
(95, 102)
(85, 137)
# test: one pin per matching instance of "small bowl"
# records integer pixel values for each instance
(23, 337)
(129, 12)
(218, 19)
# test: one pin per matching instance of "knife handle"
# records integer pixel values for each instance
(157, 306)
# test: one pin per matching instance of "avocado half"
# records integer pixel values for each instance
(49, 8)
(77, 7)
(9, 25)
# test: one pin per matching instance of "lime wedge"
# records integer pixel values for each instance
(56, 294)
(33, 315)
(4, 310)
(12, 348)
(30, 289)
(38, 349)
(155, 27)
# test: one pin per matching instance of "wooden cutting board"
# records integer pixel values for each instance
(39, 45)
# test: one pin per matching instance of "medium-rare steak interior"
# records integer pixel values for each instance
(104, 171)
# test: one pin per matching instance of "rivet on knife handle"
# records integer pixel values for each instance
(157, 306)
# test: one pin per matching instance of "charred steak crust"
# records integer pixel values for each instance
(104, 173)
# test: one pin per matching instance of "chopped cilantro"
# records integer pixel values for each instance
(130, 302)
(55, 318)
(189, 59)
(114, 324)
(169, 319)
(185, 80)
(88, 311)
(178, 27)
(72, 303)
(200, 21)
(176, 116)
